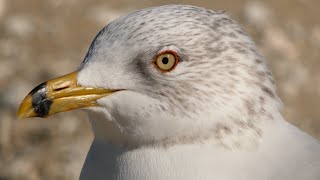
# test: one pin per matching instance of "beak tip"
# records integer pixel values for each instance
(21, 115)
(25, 112)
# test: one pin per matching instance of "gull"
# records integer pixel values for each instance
(179, 92)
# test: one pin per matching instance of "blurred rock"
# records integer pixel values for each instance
(7, 71)
(317, 77)
(296, 77)
(2, 7)
(279, 41)
(315, 36)
(257, 14)
(295, 30)
(20, 25)
(58, 3)
(12, 94)
(22, 167)
(103, 15)
(5, 131)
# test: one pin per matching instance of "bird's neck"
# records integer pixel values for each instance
(195, 160)
(111, 160)
(245, 135)
(203, 161)
(179, 162)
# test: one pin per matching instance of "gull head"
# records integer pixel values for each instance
(164, 75)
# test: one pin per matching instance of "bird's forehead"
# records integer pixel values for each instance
(156, 25)
(186, 27)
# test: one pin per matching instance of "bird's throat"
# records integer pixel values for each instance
(177, 162)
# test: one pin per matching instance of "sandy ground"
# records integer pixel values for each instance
(42, 39)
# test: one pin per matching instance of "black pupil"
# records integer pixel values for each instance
(165, 60)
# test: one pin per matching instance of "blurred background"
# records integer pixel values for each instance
(42, 39)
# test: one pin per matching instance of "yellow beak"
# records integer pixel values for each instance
(59, 95)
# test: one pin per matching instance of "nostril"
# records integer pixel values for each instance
(62, 88)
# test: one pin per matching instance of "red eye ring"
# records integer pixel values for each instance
(170, 54)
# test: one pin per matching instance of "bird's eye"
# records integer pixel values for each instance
(166, 61)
